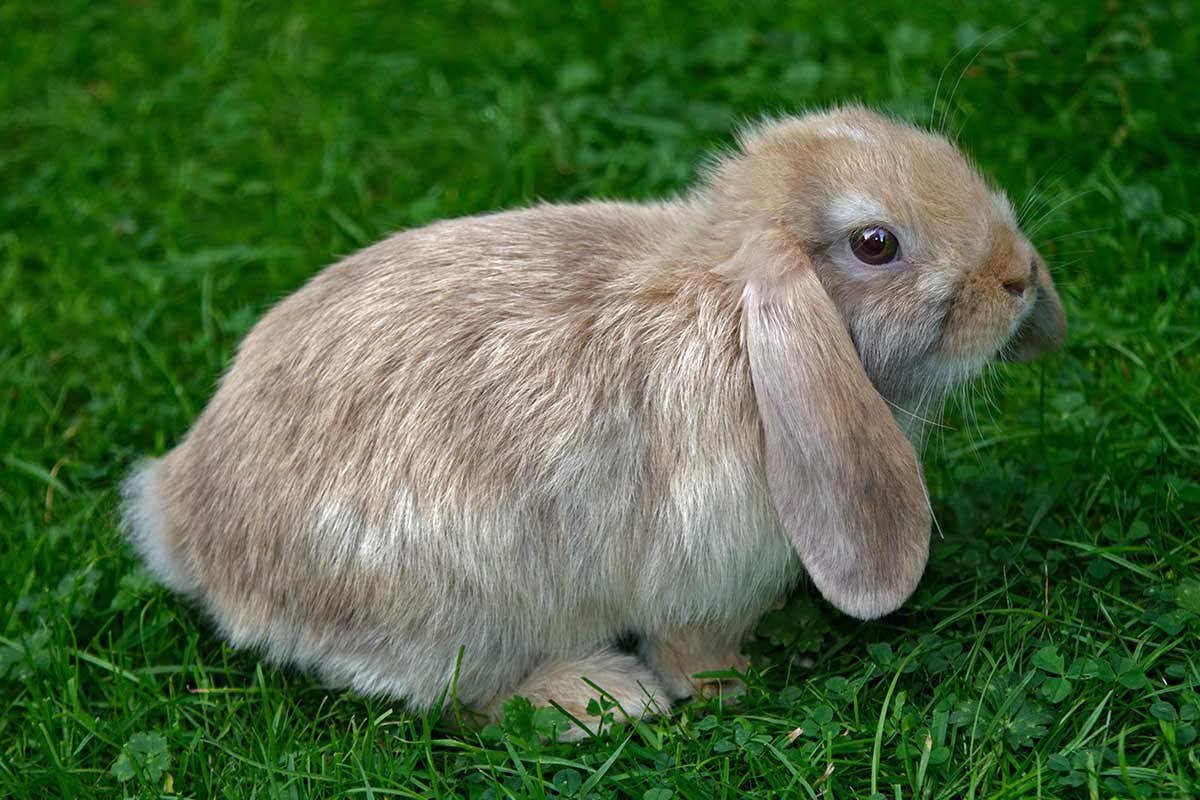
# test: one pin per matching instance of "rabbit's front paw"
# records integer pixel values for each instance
(597, 690)
(686, 659)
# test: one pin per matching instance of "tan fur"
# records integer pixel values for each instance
(526, 433)
(680, 655)
(629, 690)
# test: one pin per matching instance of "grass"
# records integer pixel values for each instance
(167, 170)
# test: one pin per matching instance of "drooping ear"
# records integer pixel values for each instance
(845, 482)
(1045, 329)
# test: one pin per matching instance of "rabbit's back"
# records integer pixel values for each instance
(510, 431)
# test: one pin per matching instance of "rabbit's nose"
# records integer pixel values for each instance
(1017, 283)
(1016, 286)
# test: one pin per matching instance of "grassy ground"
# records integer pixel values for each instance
(167, 170)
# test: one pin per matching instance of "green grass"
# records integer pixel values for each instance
(167, 170)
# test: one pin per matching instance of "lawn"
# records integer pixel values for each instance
(168, 170)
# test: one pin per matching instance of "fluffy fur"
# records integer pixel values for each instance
(524, 435)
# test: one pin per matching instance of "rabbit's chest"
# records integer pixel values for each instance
(718, 552)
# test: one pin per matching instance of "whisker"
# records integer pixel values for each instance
(1074, 235)
(967, 409)
(1061, 266)
(1066, 254)
(1031, 194)
(991, 377)
(942, 431)
(963, 72)
(959, 130)
(1049, 200)
(937, 89)
(1046, 217)
(915, 414)
(933, 517)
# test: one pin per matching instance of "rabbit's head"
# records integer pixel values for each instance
(878, 267)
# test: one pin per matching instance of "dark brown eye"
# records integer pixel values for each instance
(874, 245)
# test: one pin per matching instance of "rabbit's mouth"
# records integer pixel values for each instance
(1018, 328)
(1042, 330)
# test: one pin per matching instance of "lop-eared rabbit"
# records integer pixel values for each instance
(485, 450)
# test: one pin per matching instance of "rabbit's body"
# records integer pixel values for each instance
(520, 437)
(423, 540)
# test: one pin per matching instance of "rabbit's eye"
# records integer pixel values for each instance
(874, 246)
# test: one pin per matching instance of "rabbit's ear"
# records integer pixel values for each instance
(845, 482)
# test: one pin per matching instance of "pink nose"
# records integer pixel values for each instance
(1016, 287)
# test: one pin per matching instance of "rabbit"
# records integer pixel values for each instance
(482, 453)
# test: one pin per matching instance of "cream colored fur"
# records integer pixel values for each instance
(526, 434)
